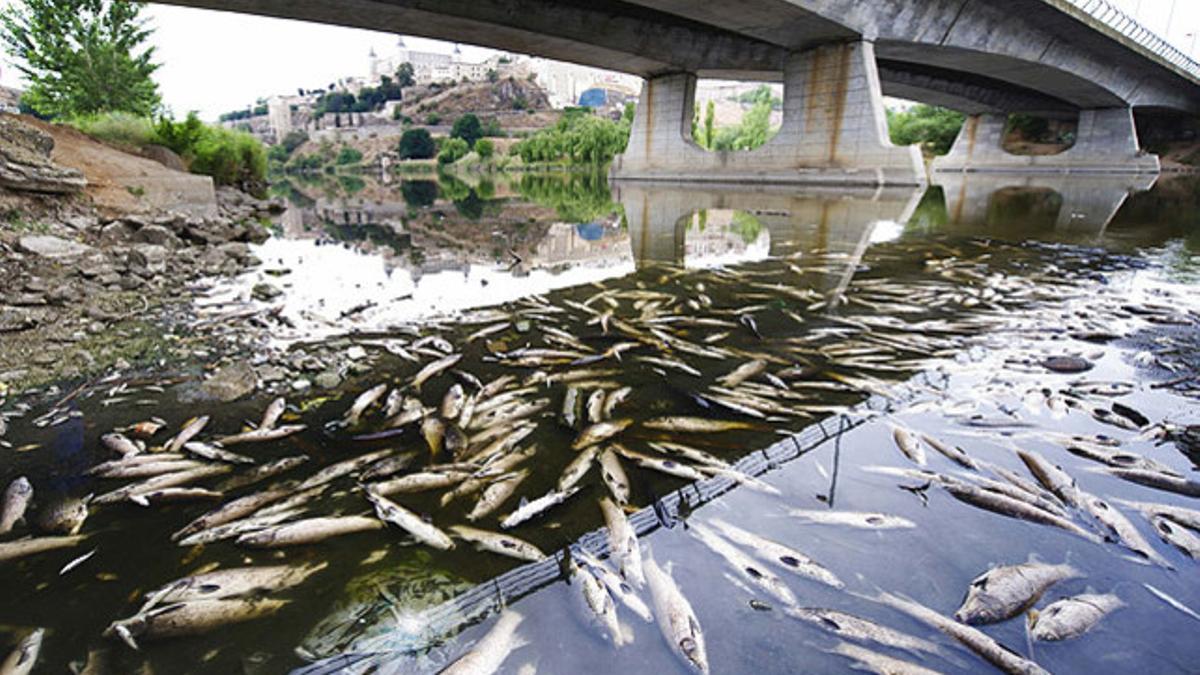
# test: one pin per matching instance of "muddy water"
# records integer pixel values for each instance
(844, 294)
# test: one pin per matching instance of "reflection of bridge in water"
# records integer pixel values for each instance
(1085, 204)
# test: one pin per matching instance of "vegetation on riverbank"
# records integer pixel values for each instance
(931, 127)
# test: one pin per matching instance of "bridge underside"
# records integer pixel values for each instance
(984, 58)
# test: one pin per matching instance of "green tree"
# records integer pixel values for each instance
(754, 130)
(82, 57)
(349, 155)
(453, 150)
(404, 75)
(710, 115)
(417, 144)
(485, 148)
(932, 127)
(468, 128)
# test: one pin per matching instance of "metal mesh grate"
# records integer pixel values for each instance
(1113, 17)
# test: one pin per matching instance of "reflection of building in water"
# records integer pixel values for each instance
(564, 243)
(717, 233)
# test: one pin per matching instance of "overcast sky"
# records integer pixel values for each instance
(215, 62)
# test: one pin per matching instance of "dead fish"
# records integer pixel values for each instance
(617, 587)
(623, 547)
(745, 566)
(175, 494)
(676, 619)
(614, 399)
(164, 481)
(262, 472)
(491, 651)
(600, 432)
(951, 452)
(496, 494)
(364, 401)
(1117, 458)
(1004, 592)
(881, 664)
(536, 507)
(238, 508)
(433, 430)
(391, 512)
(670, 364)
(11, 550)
(659, 464)
(1124, 531)
(191, 618)
(258, 521)
(1014, 508)
(216, 454)
(595, 406)
(1052, 477)
(697, 425)
(231, 582)
(121, 444)
(991, 651)
(147, 428)
(189, 431)
(593, 603)
(144, 469)
(858, 519)
(1159, 480)
(22, 659)
(272, 414)
(742, 373)
(777, 554)
(345, 467)
(909, 445)
(858, 629)
(1072, 617)
(1187, 541)
(452, 402)
(578, 468)
(1183, 516)
(420, 482)
(16, 501)
(502, 544)
(77, 562)
(389, 466)
(308, 531)
(614, 476)
(433, 368)
(261, 435)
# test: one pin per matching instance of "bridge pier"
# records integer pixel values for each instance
(834, 130)
(1105, 142)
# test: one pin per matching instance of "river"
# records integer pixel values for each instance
(769, 341)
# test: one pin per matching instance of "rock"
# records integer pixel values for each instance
(149, 257)
(301, 385)
(355, 353)
(25, 161)
(1067, 364)
(272, 373)
(52, 247)
(116, 232)
(26, 300)
(165, 156)
(81, 223)
(265, 292)
(228, 384)
(15, 320)
(157, 235)
(329, 379)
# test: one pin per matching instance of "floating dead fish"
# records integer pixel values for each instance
(593, 603)
(190, 430)
(501, 544)
(909, 445)
(261, 435)
(746, 371)
(623, 547)
(491, 651)
(231, 582)
(391, 512)
(1126, 534)
(746, 567)
(865, 659)
(951, 452)
(262, 472)
(857, 519)
(777, 554)
(216, 454)
(345, 467)
(858, 629)
(433, 369)
(420, 482)
(76, 563)
(238, 508)
(991, 651)
(1052, 477)
(1072, 617)
(698, 425)
(272, 414)
(164, 481)
(676, 619)
(121, 444)
(11, 550)
(1004, 592)
(614, 476)
(17, 496)
(22, 660)
(578, 468)
(1187, 541)
(433, 430)
(191, 618)
(308, 531)
(1014, 508)
(1159, 480)
(171, 495)
(1179, 514)
(600, 432)
(536, 507)
(659, 464)
(495, 495)
(453, 401)
(364, 401)
(617, 587)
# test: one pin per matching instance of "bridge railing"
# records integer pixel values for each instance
(1128, 26)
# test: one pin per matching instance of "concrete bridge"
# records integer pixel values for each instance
(836, 58)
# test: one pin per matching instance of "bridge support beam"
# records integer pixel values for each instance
(1105, 142)
(834, 130)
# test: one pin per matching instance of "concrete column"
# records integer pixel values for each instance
(1106, 142)
(834, 130)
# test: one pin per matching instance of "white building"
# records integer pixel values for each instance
(431, 66)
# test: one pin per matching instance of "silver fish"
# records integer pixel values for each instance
(881, 664)
(578, 468)
(191, 618)
(991, 651)
(696, 425)
(22, 659)
(261, 472)
(1052, 477)
(593, 602)
(16, 501)
(614, 476)
(1159, 480)
(744, 565)
(190, 430)
(420, 482)
(614, 399)
(676, 619)
(453, 401)
(742, 373)
(486, 657)
(777, 554)
(502, 544)
(272, 414)
(433, 368)
(343, 468)
(1004, 592)
(364, 401)
(909, 444)
(616, 586)
(231, 582)
(175, 494)
(1187, 541)
(1072, 617)
(164, 481)
(858, 519)
(602, 431)
(536, 507)
(1014, 508)
(261, 435)
(660, 464)
(496, 494)
(391, 512)
(121, 444)
(850, 627)
(308, 531)
(951, 452)
(623, 543)
(1124, 530)
(238, 527)
(11, 550)
(216, 454)
(238, 508)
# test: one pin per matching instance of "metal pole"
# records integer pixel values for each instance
(1171, 19)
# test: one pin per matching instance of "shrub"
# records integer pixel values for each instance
(123, 129)
(932, 127)
(349, 155)
(433, 119)
(453, 150)
(416, 144)
(231, 158)
(467, 128)
(579, 137)
(485, 148)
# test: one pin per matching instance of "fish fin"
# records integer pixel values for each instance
(127, 637)
(140, 500)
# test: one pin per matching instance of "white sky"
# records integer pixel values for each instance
(214, 62)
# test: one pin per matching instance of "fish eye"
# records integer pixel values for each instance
(754, 573)
(789, 561)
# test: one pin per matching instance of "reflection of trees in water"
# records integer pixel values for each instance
(351, 184)
(419, 193)
(379, 235)
(577, 197)
(747, 226)
(1037, 208)
(930, 213)
(287, 190)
